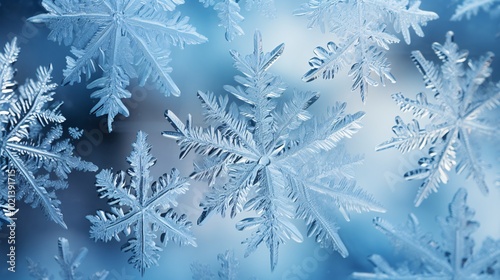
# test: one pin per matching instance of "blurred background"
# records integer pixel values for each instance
(208, 67)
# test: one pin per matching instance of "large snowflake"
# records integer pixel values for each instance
(361, 37)
(125, 38)
(462, 96)
(451, 257)
(35, 161)
(281, 162)
(141, 208)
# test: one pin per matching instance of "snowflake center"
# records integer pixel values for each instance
(264, 161)
(118, 17)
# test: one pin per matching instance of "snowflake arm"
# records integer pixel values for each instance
(68, 263)
(141, 208)
(451, 257)
(470, 8)
(125, 38)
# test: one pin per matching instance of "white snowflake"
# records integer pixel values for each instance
(278, 159)
(451, 257)
(141, 208)
(30, 140)
(125, 38)
(361, 37)
(463, 95)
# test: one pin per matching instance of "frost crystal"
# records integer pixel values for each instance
(228, 268)
(31, 147)
(230, 17)
(125, 38)
(451, 257)
(462, 96)
(277, 159)
(68, 263)
(470, 8)
(361, 37)
(141, 207)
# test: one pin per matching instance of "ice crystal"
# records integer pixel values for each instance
(228, 268)
(230, 17)
(68, 263)
(470, 8)
(361, 37)
(31, 147)
(125, 38)
(462, 95)
(141, 208)
(277, 159)
(451, 257)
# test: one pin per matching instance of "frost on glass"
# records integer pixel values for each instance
(452, 256)
(32, 146)
(228, 268)
(69, 265)
(362, 32)
(274, 158)
(463, 95)
(141, 209)
(469, 8)
(125, 38)
(229, 13)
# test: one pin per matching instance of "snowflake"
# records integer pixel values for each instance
(125, 38)
(68, 263)
(277, 160)
(75, 132)
(470, 8)
(141, 207)
(452, 257)
(30, 144)
(462, 95)
(361, 37)
(229, 15)
(228, 268)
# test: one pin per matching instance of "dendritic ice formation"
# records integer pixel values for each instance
(68, 263)
(274, 158)
(125, 38)
(453, 256)
(458, 114)
(229, 13)
(361, 37)
(469, 8)
(141, 208)
(35, 160)
(228, 268)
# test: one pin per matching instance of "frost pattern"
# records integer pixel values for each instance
(361, 37)
(141, 208)
(451, 257)
(276, 159)
(68, 263)
(125, 38)
(30, 139)
(228, 268)
(229, 13)
(470, 8)
(463, 95)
